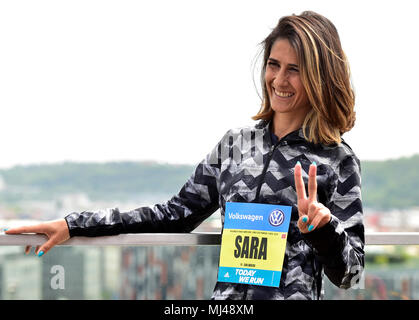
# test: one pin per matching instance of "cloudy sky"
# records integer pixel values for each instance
(131, 80)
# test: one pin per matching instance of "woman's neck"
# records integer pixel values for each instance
(284, 123)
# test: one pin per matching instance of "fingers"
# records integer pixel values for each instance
(302, 223)
(299, 182)
(305, 223)
(318, 216)
(312, 183)
(37, 250)
(25, 229)
(318, 221)
(56, 231)
(41, 250)
(38, 228)
(28, 249)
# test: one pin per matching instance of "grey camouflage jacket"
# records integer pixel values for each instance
(250, 164)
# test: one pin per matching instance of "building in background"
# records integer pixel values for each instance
(170, 272)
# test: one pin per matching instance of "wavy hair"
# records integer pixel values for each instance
(324, 72)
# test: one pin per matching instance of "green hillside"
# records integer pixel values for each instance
(116, 180)
(391, 183)
(385, 184)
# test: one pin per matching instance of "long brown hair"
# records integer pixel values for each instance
(324, 72)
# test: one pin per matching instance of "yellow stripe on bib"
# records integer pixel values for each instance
(253, 249)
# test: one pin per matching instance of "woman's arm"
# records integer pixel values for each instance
(339, 244)
(195, 202)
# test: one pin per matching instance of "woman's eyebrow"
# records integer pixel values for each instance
(290, 65)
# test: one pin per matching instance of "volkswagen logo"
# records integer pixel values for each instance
(276, 218)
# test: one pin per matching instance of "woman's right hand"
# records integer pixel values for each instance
(56, 231)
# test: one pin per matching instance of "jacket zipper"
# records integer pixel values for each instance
(265, 168)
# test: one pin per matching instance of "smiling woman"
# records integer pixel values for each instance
(308, 103)
(305, 70)
(287, 95)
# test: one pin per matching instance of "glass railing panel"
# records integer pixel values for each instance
(109, 272)
(19, 278)
(391, 273)
(168, 272)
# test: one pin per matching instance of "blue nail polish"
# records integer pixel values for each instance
(304, 219)
(298, 163)
(314, 163)
(5, 229)
(311, 227)
(40, 253)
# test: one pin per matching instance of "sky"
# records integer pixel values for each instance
(164, 80)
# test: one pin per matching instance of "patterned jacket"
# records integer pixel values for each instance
(250, 164)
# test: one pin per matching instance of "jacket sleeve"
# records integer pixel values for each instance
(339, 245)
(196, 201)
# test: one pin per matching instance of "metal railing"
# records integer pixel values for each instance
(183, 239)
(118, 259)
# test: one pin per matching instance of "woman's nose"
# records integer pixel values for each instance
(281, 79)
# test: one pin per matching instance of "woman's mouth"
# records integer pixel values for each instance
(283, 94)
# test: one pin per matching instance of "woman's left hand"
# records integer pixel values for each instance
(312, 214)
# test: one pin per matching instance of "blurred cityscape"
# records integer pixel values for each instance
(174, 272)
(104, 272)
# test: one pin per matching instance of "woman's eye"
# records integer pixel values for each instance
(273, 64)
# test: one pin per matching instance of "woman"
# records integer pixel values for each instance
(307, 105)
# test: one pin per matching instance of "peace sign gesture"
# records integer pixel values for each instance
(312, 214)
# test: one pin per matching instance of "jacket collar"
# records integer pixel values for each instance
(266, 126)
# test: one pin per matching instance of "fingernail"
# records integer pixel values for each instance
(304, 219)
(311, 227)
(314, 163)
(298, 163)
(40, 253)
(5, 229)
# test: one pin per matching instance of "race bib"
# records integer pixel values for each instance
(253, 243)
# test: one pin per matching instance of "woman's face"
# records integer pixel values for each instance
(283, 82)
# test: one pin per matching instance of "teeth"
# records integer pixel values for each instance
(283, 94)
